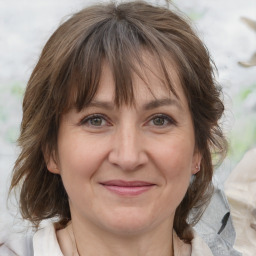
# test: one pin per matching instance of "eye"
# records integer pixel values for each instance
(161, 120)
(95, 120)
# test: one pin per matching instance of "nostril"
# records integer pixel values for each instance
(127, 160)
(128, 151)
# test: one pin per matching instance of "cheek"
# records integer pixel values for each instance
(174, 164)
(79, 157)
(79, 160)
(174, 158)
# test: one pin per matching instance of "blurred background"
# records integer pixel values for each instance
(227, 28)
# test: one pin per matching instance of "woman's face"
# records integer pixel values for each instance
(127, 169)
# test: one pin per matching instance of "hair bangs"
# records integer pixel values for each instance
(127, 51)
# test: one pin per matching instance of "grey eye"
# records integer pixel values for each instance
(96, 121)
(158, 121)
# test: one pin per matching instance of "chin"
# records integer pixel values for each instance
(128, 222)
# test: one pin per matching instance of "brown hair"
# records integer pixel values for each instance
(68, 72)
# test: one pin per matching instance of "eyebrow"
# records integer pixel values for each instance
(162, 102)
(101, 104)
(156, 103)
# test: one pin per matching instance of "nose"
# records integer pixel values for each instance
(128, 151)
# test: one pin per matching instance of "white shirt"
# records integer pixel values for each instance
(45, 244)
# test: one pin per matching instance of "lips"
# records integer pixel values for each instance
(127, 188)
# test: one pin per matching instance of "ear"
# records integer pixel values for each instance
(51, 163)
(197, 157)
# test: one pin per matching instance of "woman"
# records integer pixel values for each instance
(120, 121)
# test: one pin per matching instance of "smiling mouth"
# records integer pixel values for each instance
(127, 188)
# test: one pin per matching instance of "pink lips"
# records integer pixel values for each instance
(127, 188)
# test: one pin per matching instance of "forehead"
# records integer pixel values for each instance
(147, 83)
(148, 75)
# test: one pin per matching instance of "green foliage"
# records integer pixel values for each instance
(17, 89)
(12, 134)
(243, 134)
(245, 92)
(3, 114)
(195, 15)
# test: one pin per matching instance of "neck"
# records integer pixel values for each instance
(157, 242)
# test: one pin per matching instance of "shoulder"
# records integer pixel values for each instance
(41, 243)
(216, 226)
(45, 242)
(199, 247)
(15, 243)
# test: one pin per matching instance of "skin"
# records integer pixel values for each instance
(152, 141)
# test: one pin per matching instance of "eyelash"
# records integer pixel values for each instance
(167, 120)
(86, 120)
